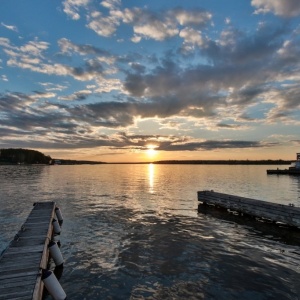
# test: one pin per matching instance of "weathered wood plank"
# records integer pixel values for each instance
(25, 249)
(262, 209)
(20, 274)
(9, 265)
(6, 273)
(22, 294)
(13, 282)
(24, 257)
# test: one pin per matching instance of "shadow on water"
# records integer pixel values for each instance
(279, 232)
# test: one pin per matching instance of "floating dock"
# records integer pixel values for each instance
(277, 213)
(21, 263)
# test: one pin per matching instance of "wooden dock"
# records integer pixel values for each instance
(277, 213)
(21, 262)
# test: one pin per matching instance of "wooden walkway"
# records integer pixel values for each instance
(21, 262)
(286, 214)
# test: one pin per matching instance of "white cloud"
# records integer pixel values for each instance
(5, 42)
(145, 23)
(4, 78)
(71, 7)
(29, 60)
(129, 15)
(49, 86)
(136, 39)
(111, 4)
(43, 95)
(192, 37)
(227, 21)
(286, 8)
(189, 18)
(34, 48)
(108, 85)
(80, 95)
(10, 27)
(156, 30)
(103, 25)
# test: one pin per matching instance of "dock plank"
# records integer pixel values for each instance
(289, 215)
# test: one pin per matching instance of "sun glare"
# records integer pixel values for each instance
(151, 152)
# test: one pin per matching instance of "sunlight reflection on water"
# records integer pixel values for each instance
(134, 232)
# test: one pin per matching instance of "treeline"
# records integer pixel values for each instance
(226, 162)
(23, 156)
(74, 162)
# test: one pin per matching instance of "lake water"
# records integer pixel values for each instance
(134, 231)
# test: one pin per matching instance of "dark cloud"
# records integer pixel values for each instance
(210, 145)
(58, 127)
(242, 47)
(228, 126)
(287, 8)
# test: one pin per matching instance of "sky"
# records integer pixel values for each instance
(129, 81)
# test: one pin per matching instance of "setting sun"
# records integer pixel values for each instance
(151, 152)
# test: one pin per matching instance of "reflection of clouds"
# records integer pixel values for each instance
(151, 178)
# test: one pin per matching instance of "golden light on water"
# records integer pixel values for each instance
(151, 177)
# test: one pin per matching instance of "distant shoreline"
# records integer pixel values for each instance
(67, 162)
(167, 162)
(21, 156)
(211, 162)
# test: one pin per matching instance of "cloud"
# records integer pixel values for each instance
(40, 95)
(286, 103)
(164, 25)
(240, 70)
(230, 126)
(154, 26)
(103, 25)
(72, 7)
(45, 125)
(209, 145)
(286, 8)
(31, 56)
(146, 24)
(80, 95)
(5, 42)
(196, 17)
(191, 37)
(240, 47)
(111, 4)
(10, 27)
(67, 47)
(3, 78)
(49, 86)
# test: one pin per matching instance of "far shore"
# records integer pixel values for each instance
(171, 162)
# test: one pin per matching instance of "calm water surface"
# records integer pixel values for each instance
(134, 231)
